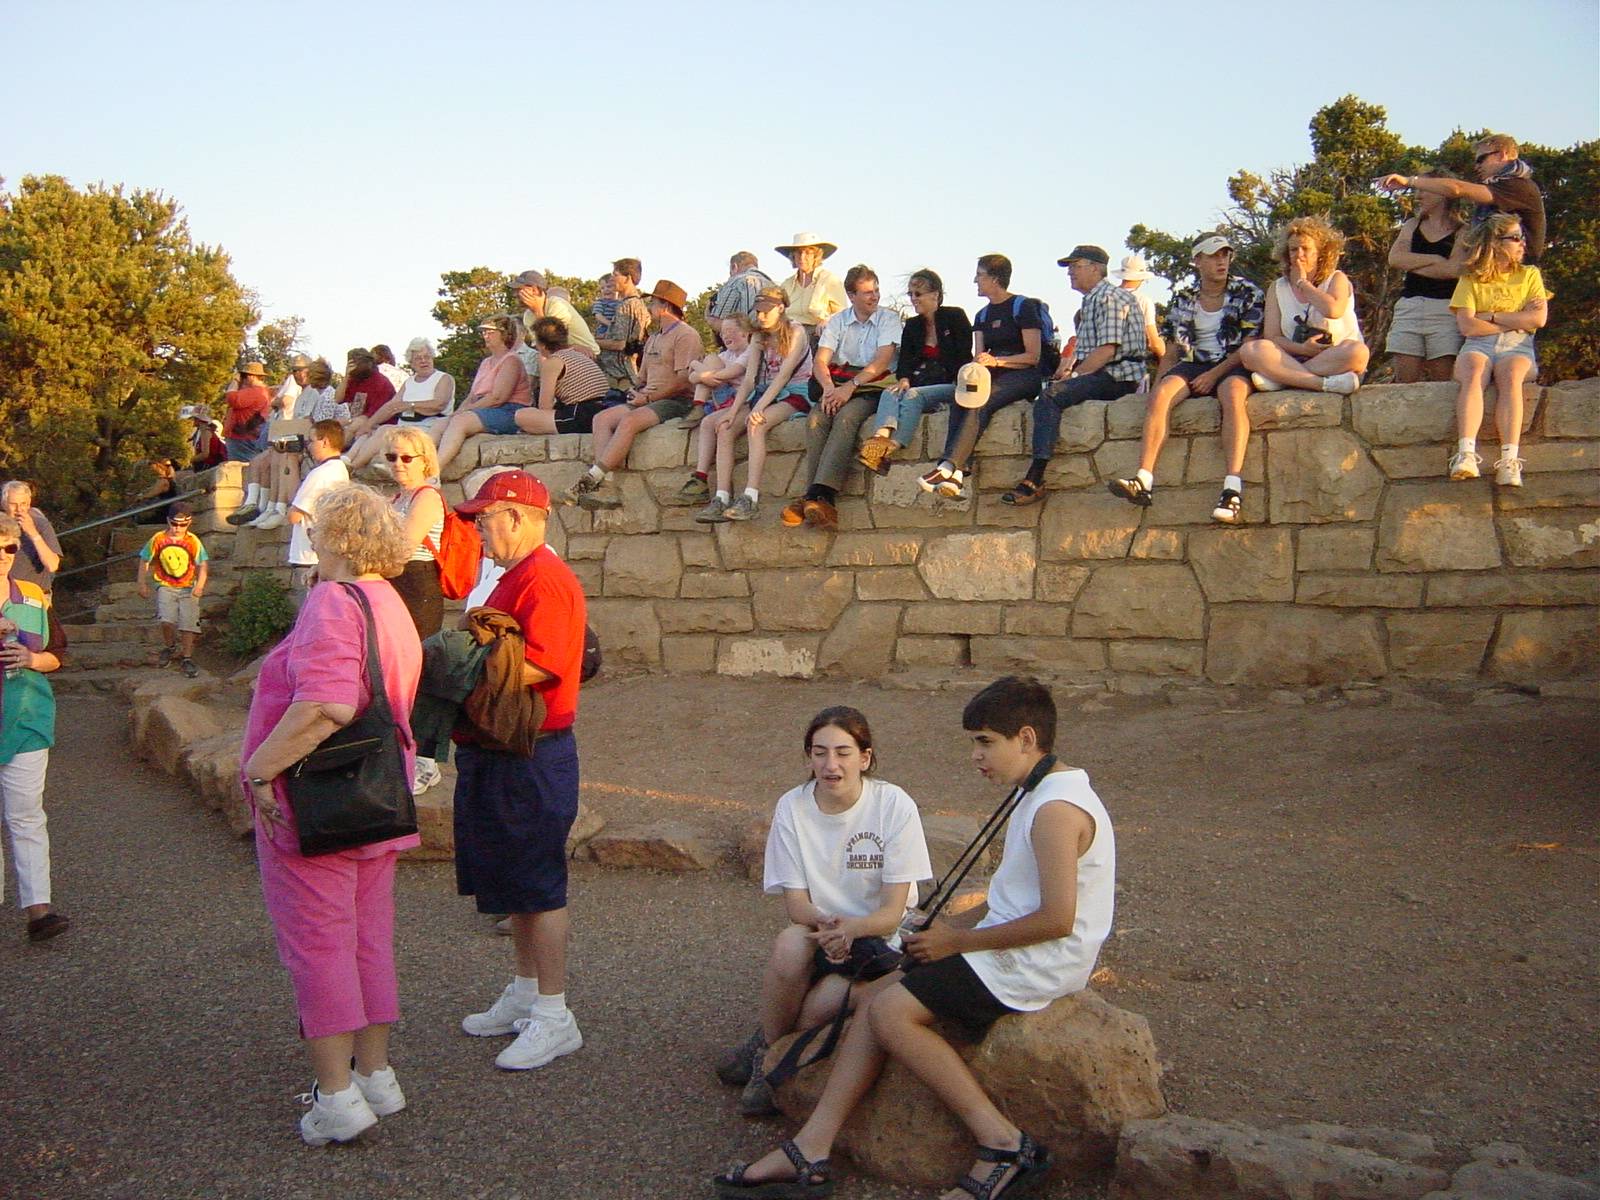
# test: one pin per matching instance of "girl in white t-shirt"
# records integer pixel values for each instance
(846, 852)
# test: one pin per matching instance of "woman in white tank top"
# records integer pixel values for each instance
(1311, 338)
(424, 400)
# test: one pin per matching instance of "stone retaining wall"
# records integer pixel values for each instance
(1357, 559)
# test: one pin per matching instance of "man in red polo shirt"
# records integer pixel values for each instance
(513, 812)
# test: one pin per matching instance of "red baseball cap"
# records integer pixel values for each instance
(517, 487)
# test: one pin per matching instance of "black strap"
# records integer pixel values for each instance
(379, 704)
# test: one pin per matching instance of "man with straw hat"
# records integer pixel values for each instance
(814, 292)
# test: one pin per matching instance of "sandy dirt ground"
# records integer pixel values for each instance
(1367, 909)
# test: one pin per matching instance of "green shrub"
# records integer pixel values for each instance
(262, 613)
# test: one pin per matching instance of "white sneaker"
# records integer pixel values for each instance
(499, 1018)
(540, 1040)
(1464, 465)
(427, 774)
(381, 1091)
(1263, 384)
(1345, 383)
(1508, 472)
(341, 1117)
(270, 520)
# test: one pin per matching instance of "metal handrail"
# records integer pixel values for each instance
(98, 563)
(126, 513)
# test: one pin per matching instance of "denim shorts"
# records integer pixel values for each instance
(500, 419)
(1513, 343)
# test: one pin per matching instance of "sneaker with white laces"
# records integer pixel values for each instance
(381, 1090)
(540, 1040)
(499, 1018)
(585, 484)
(1345, 383)
(1464, 465)
(742, 508)
(1262, 384)
(341, 1117)
(1508, 472)
(427, 774)
(1227, 509)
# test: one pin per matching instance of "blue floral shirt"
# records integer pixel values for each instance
(1243, 311)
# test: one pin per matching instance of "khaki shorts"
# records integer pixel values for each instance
(177, 606)
(1423, 328)
(671, 408)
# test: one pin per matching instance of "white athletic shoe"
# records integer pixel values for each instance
(499, 1018)
(381, 1091)
(1345, 383)
(1464, 465)
(1508, 472)
(427, 774)
(341, 1117)
(540, 1040)
(1263, 384)
(272, 519)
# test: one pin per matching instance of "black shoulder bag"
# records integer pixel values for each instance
(881, 961)
(353, 789)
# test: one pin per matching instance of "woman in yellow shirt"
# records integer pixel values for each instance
(1499, 304)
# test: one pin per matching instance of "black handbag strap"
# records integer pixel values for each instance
(378, 706)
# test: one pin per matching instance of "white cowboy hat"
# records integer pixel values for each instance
(806, 238)
(972, 385)
(1133, 267)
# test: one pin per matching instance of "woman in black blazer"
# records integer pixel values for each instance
(936, 344)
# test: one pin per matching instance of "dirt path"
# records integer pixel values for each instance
(1371, 915)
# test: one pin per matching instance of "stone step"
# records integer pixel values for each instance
(93, 633)
(95, 656)
(135, 608)
(223, 581)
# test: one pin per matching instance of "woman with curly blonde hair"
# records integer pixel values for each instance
(1311, 339)
(333, 914)
(1499, 304)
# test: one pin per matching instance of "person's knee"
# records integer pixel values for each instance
(791, 953)
(1360, 356)
(891, 1010)
(1251, 354)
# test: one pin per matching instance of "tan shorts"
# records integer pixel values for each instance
(177, 606)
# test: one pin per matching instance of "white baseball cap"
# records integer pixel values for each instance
(1210, 244)
(972, 385)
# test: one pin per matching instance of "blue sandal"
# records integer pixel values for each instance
(1030, 1161)
(810, 1179)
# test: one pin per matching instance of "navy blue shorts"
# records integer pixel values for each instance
(512, 817)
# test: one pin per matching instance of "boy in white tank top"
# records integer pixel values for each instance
(1050, 906)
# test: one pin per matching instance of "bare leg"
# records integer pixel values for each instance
(462, 426)
(605, 427)
(706, 444)
(288, 477)
(1470, 370)
(1263, 357)
(186, 639)
(776, 415)
(630, 427)
(1158, 410)
(786, 981)
(1509, 374)
(1232, 394)
(330, 1061)
(372, 1048)
(726, 427)
(535, 420)
(540, 940)
(1407, 367)
(169, 635)
(1439, 370)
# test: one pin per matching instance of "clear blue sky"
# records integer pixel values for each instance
(345, 154)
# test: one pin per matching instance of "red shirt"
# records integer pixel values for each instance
(369, 395)
(543, 594)
(244, 404)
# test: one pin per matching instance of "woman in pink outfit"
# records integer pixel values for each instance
(333, 914)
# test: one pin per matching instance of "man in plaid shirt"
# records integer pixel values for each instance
(1109, 362)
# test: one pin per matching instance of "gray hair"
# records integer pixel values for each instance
(420, 343)
(742, 260)
(13, 486)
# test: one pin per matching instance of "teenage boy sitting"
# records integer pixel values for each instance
(1050, 907)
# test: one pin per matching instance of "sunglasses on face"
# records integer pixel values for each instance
(1512, 237)
(405, 458)
(10, 548)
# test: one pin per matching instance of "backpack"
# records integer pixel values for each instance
(458, 554)
(1049, 344)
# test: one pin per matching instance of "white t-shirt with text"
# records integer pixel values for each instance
(844, 859)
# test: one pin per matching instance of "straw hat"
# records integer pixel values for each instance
(806, 238)
(254, 368)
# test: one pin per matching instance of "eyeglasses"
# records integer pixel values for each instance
(178, 524)
(480, 518)
(10, 548)
(1512, 237)
(405, 458)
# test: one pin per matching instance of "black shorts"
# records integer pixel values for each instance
(950, 989)
(579, 417)
(870, 958)
(1190, 371)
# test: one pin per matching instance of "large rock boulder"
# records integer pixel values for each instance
(1072, 1075)
(1185, 1158)
(1501, 1171)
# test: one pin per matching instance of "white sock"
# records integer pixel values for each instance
(722, 497)
(550, 1006)
(347, 1096)
(525, 989)
(753, 494)
(955, 474)
(598, 472)
(1467, 446)
(1234, 482)
(252, 495)
(1146, 478)
(884, 431)
(1509, 452)
(281, 506)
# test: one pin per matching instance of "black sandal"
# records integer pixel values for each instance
(1025, 493)
(810, 1179)
(1031, 1161)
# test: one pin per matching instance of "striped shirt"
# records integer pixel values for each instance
(402, 505)
(581, 377)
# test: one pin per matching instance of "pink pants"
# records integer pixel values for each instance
(334, 920)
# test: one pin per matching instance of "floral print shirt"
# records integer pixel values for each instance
(1243, 311)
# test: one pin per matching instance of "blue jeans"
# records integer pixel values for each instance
(1063, 394)
(903, 410)
(967, 424)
